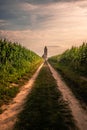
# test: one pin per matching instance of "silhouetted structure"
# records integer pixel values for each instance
(45, 53)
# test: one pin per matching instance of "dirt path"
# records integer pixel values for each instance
(80, 115)
(9, 116)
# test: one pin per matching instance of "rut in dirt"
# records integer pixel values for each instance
(9, 116)
(79, 114)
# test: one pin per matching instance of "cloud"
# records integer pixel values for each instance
(3, 23)
(36, 23)
(34, 40)
(82, 4)
(21, 16)
(48, 1)
(31, 14)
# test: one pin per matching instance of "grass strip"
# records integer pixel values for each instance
(45, 109)
(73, 80)
(7, 93)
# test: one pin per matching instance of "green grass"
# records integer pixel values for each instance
(17, 65)
(45, 108)
(10, 91)
(73, 79)
(75, 58)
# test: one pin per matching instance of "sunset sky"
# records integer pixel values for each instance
(57, 24)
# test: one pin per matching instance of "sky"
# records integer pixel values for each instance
(57, 24)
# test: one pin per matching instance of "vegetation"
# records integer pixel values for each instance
(16, 62)
(76, 58)
(45, 108)
(72, 64)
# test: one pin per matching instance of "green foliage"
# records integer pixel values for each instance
(45, 108)
(72, 64)
(76, 58)
(15, 61)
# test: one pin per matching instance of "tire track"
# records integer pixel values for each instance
(9, 116)
(79, 114)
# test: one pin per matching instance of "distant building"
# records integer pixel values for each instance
(45, 53)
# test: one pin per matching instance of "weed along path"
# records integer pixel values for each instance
(80, 115)
(9, 116)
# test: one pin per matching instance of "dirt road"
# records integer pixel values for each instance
(80, 115)
(9, 116)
